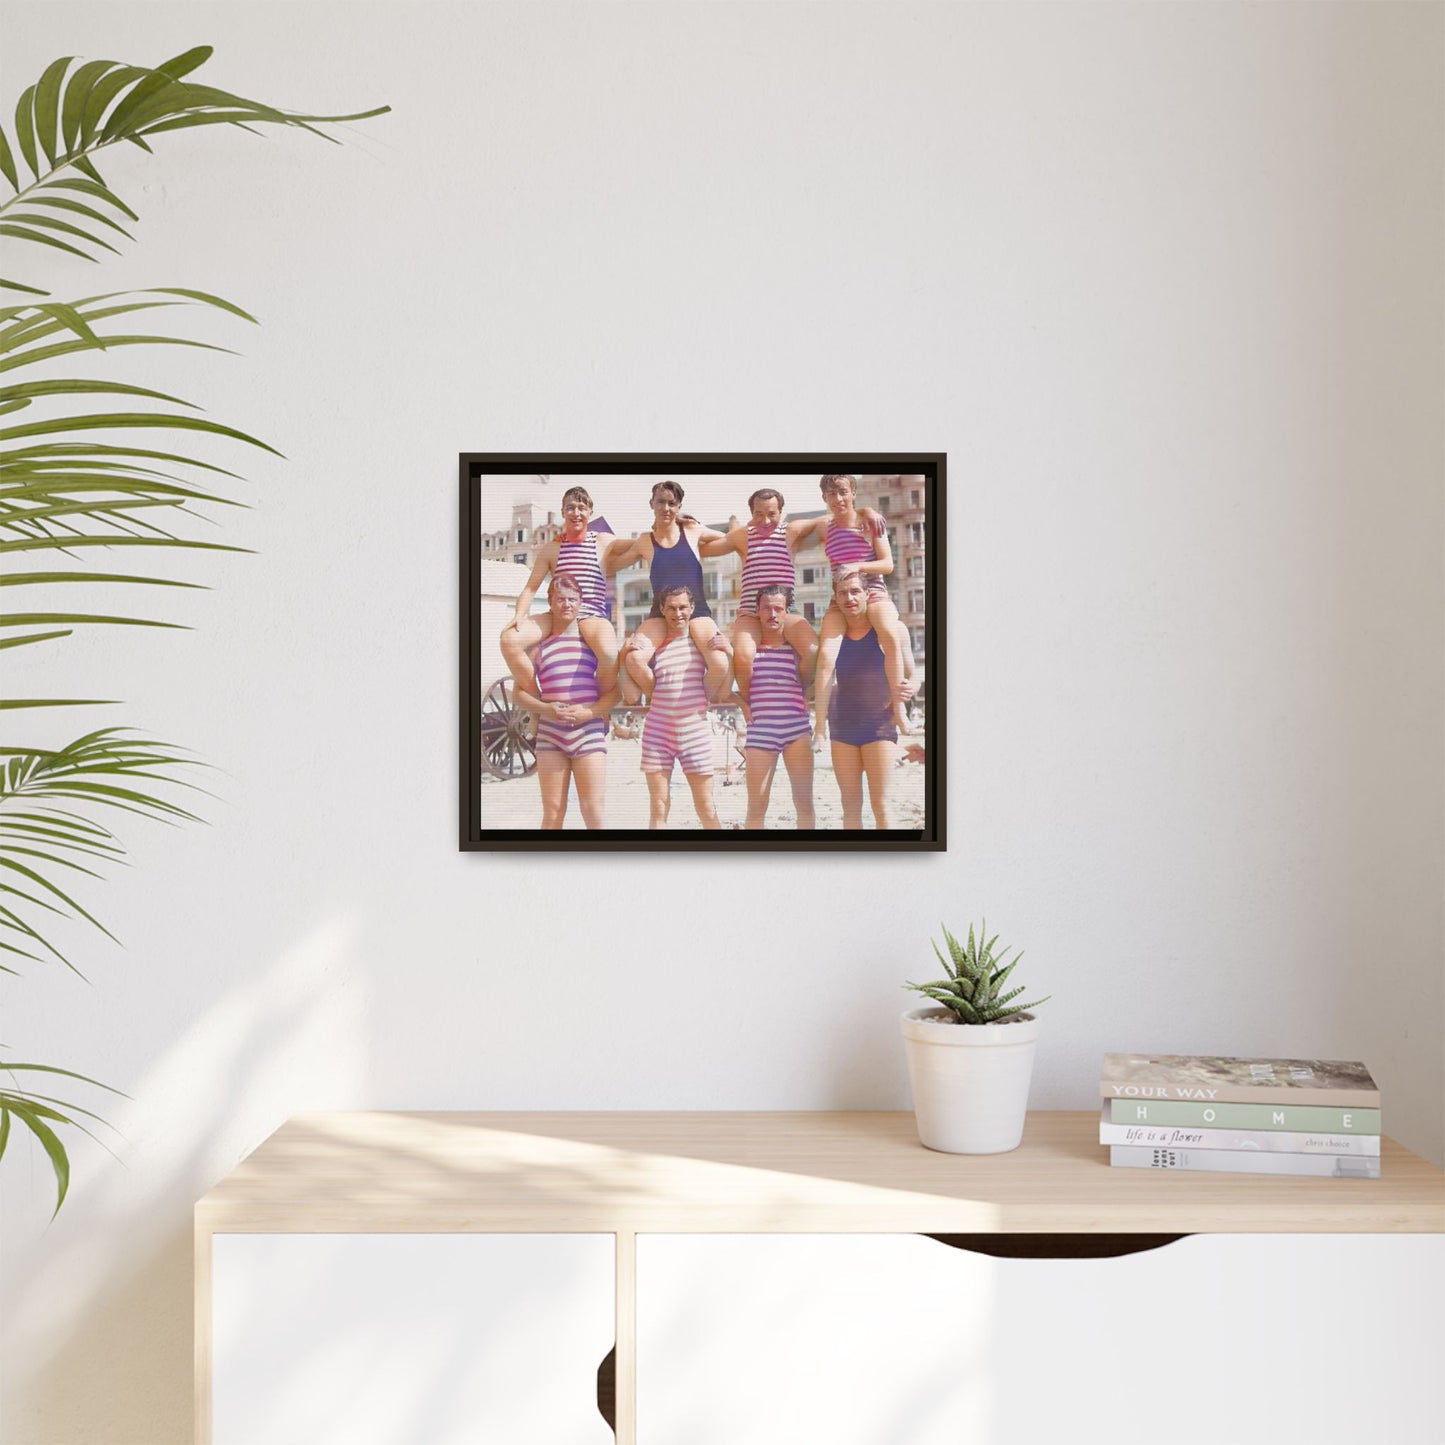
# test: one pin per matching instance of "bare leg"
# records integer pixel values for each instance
(590, 775)
(701, 785)
(830, 641)
(848, 770)
(599, 634)
(627, 684)
(798, 759)
(659, 798)
(761, 766)
(893, 639)
(517, 645)
(635, 666)
(801, 638)
(878, 765)
(638, 664)
(553, 771)
(717, 652)
(746, 636)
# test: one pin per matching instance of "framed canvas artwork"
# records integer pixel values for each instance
(702, 651)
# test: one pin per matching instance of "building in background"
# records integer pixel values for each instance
(900, 499)
(520, 542)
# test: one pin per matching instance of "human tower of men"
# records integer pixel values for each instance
(570, 669)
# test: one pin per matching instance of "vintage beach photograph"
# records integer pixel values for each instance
(704, 652)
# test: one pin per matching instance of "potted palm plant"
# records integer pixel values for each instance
(73, 483)
(971, 1055)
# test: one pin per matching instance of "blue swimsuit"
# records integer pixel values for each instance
(673, 566)
(861, 711)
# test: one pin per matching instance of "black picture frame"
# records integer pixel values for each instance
(479, 706)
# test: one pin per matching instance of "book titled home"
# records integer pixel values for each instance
(1264, 1141)
(1212, 1079)
(1301, 1118)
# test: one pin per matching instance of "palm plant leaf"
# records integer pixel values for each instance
(106, 768)
(29, 1114)
(69, 115)
(40, 1112)
(29, 639)
(32, 390)
(64, 490)
(72, 619)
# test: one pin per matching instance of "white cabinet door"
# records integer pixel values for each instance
(900, 1340)
(396, 1339)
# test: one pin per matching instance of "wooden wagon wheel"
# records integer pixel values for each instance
(508, 733)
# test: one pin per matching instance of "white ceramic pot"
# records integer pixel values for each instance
(970, 1081)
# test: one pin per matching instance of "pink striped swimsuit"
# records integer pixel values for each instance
(769, 563)
(567, 672)
(676, 729)
(775, 698)
(844, 545)
(582, 561)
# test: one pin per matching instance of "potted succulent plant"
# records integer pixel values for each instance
(971, 1057)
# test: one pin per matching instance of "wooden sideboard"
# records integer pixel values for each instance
(627, 1175)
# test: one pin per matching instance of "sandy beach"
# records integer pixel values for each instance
(517, 802)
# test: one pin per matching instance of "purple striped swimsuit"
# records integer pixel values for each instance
(567, 672)
(844, 545)
(676, 729)
(775, 698)
(581, 560)
(769, 563)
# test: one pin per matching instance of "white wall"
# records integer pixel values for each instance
(1163, 281)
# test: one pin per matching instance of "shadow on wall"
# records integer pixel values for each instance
(99, 1305)
(864, 1061)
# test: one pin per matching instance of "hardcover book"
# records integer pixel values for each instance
(1259, 1081)
(1263, 1141)
(1300, 1118)
(1235, 1161)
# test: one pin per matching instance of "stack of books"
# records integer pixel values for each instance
(1242, 1116)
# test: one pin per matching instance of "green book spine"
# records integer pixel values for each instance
(1313, 1118)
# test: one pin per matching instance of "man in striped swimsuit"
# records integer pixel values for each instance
(778, 721)
(588, 557)
(677, 728)
(576, 688)
(766, 546)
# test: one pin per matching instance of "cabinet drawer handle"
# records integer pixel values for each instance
(1056, 1246)
(607, 1389)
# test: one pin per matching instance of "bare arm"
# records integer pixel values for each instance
(622, 552)
(882, 563)
(574, 714)
(808, 662)
(822, 693)
(719, 544)
(534, 704)
(540, 568)
(806, 533)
